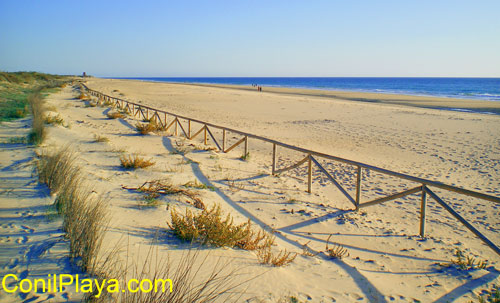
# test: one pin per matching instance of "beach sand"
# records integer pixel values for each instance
(387, 259)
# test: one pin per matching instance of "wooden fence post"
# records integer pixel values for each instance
(246, 146)
(274, 159)
(309, 174)
(358, 187)
(422, 211)
(223, 140)
(205, 135)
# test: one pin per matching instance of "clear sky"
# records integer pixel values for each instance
(252, 38)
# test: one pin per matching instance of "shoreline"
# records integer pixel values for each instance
(429, 102)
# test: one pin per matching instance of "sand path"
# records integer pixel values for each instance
(32, 244)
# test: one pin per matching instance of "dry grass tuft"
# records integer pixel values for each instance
(99, 138)
(150, 127)
(307, 251)
(337, 251)
(234, 186)
(266, 256)
(84, 97)
(134, 162)
(491, 295)
(198, 185)
(56, 119)
(464, 262)
(115, 115)
(208, 227)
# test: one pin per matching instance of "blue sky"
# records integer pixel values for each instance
(252, 38)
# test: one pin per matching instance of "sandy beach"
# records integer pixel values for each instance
(387, 261)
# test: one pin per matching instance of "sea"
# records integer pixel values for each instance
(464, 88)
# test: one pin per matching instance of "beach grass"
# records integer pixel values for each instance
(99, 138)
(115, 115)
(15, 89)
(135, 162)
(192, 279)
(149, 127)
(84, 212)
(57, 168)
(337, 251)
(38, 132)
(54, 120)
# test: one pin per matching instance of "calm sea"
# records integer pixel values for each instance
(469, 88)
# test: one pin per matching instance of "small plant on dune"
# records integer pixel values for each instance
(337, 251)
(145, 129)
(307, 251)
(54, 119)
(288, 299)
(150, 200)
(491, 295)
(464, 262)
(198, 185)
(234, 186)
(83, 96)
(209, 227)
(245, 157)
(99, 138)
(115, 115)
(180, 149)
(253, 240)
(91, 104)
(265, 255)
(153, 189)
(134, 162)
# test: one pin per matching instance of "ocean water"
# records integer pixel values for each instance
(466, 88)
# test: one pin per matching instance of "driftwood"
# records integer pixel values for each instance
(155, 188)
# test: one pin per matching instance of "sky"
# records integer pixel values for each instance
(238, 38)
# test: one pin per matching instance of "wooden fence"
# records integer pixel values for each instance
(161, 117)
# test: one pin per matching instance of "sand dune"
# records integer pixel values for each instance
(387, 260)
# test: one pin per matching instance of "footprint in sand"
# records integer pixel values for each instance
(22, 240)
(13, 263)
(27, 213)
(27, 229)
